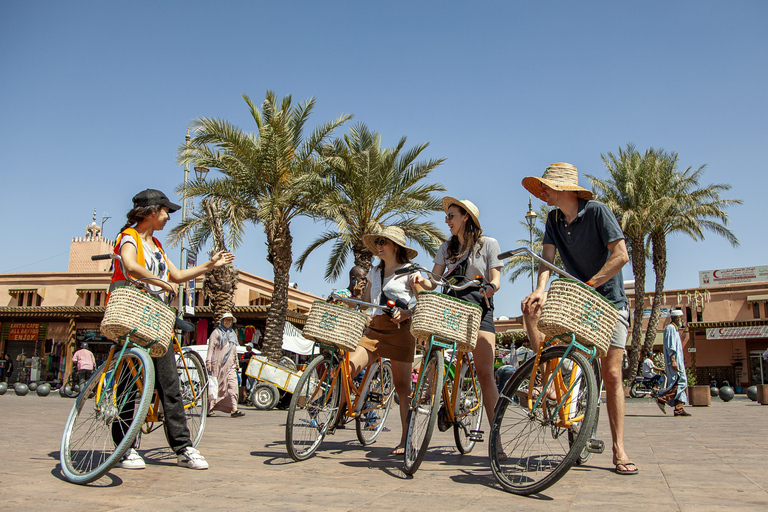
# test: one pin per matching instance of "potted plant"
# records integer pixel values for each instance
(698, 396)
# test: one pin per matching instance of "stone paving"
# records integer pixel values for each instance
(716, 459)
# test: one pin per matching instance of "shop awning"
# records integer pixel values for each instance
(82, 290)
(14, 292)
(757, 298)
(256, 295)
(657, 341)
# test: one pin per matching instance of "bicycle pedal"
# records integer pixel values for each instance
(476, 435)
(595, 446)
(374, 397)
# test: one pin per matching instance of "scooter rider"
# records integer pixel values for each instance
(652, 378)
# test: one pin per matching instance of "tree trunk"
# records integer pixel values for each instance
(219, 283)
(279, 242)
(659, 258)
(638, 269)
(362, 256)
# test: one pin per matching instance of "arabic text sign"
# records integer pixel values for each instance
(730, 333)
(733, 275)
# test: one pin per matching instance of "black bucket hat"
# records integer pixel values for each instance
(152, 197)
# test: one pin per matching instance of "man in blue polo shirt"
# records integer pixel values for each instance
(592, 248)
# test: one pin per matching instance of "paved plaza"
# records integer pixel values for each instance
(713, 460)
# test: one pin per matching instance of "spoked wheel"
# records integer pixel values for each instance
(469, 407)
(313, 409)
(538, 451)
(88, 449)
(375, 402)
(422, 415)
(193, 380)
(572, 434)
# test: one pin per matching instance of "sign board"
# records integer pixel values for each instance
(189, 303)
(691, 350)
(730, 333)
(191, 262)
(664, 313)
(733, 275)
(23, 332)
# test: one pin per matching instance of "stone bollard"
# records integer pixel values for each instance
(762, 394)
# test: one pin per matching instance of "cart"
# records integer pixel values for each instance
(272, 381)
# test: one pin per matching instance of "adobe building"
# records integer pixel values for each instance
(44, 315)
(725, 332)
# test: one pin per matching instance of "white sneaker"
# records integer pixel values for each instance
(131, 460)
(191, 459)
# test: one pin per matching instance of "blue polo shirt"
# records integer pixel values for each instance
(583, 245)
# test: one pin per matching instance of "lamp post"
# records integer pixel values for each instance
(530, 219)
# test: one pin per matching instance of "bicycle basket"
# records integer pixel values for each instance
(130, 308)
(575, 307)
(447, 317)
(337, 325)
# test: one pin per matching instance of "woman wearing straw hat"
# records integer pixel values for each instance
(389, 337)
(592, 248)
(467, 254)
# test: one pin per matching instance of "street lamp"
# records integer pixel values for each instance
(530, 219)
(201, 171)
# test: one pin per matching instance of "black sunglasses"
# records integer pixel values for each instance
(159, 258)
(381, 241)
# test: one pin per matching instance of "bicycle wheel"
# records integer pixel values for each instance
(469, 407)
(88, 450)
(193, 381)
(376, 399)
(585, 453)
(313, 409)
(538, 452)
(422, 415)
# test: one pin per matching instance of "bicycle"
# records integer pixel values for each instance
(121, 396)
(460, 403)
(314, 407)
(546, 415)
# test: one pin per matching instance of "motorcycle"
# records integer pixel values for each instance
(641, 387)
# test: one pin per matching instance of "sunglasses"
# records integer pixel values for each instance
(449, 216)
(381, 241)
(159, 258)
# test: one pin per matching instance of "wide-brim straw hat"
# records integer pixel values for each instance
(558, 176)
(468, 205)
(229, 315)
(393, 233)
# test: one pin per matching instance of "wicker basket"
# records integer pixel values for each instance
(337, 325)
(130, 308)
(446, 317)
(575, 307)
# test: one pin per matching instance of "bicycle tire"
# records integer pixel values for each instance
(422, 414)
(469, 407)
(313, 409)
(377, 394)
(193, 383)
(585, 453)
(533, 463)
(88, 450)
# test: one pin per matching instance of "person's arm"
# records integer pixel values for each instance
(536, 299)
(219, 259)
(616, 261)
(419, 283)
(488, 290)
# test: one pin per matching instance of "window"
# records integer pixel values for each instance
(756, 310)
(688, 315)
(766, 308)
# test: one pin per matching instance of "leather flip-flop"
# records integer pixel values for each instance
(626, 470)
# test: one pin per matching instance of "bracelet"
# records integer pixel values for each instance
(493, 285)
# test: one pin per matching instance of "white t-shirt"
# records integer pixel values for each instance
(395, 287)
(153, 261)
(648, 372)
(477, 264)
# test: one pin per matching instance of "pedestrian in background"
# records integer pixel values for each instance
(85, 362)
(221, 361)
(674, 364)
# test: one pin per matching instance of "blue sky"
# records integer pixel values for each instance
(96, 97)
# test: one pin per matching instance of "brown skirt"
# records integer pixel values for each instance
(384, 339)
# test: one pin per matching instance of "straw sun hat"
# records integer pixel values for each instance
(392, 233)
(558, 176)
(468, 205)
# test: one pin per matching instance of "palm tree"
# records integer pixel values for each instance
(268, 178)
(683, 207)
(627, 194)
(366, 188)
(519, 265)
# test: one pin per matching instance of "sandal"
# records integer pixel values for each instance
(398, 450)
(626, 468)
(237, 414)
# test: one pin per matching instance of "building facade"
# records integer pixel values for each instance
(45, 315)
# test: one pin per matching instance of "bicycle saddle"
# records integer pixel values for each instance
(184, 325)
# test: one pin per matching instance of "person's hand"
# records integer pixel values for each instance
(222, 258)
(675, 366)
(533, 302)
(488, 290)
(208, 367)
(169, 287)
(359, 288)
(398, 315)
(416, 279)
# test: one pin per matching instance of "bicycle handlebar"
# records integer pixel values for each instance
(440, 280)
(509, 254)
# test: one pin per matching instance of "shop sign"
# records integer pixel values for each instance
(663, 312)
(24, 332)
(733, 275)
(730, 333)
